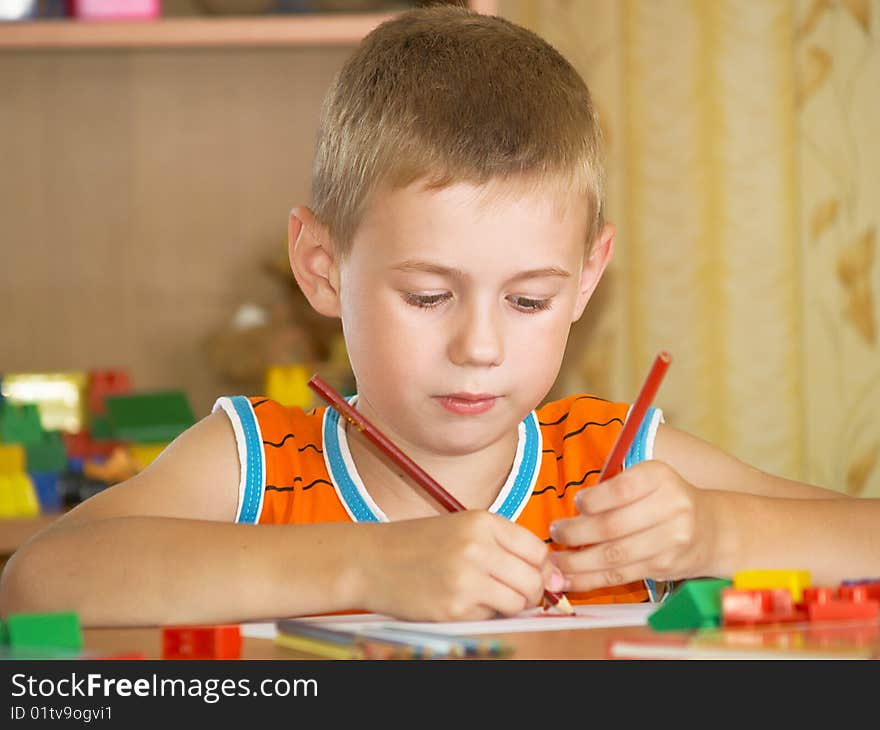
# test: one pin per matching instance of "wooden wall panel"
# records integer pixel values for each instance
(139, 193)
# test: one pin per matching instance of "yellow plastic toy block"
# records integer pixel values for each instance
(755, 580)
(145, 454)
(24, 496)
(289, 385)
(12, 458)
(18, 498)
(7, 500)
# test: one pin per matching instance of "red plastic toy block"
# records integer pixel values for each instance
(81, 446)
(102, 383)
(819, 594)
(870, 588)
(201, 642)
(766, 606)
(843, 610)
(847, 602)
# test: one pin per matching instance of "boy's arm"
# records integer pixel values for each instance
(162, 547)
(767, 521)
(708, 467)
(695, 511)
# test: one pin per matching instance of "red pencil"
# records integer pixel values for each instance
(614, 462)
(390, 449)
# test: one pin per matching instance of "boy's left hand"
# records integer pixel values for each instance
(647, 522)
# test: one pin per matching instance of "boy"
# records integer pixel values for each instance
(457, 230)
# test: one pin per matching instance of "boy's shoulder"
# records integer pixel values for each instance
(272, 420)
(280, 449)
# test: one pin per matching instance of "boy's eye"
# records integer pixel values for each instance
(426, 300)
(529, 304)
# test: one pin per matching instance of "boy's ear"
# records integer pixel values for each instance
(313, 261)
(595, 263)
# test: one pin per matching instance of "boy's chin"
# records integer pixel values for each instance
(462, 440)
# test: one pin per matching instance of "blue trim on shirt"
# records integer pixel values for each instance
(636, 454)
(254, 479)
(348, 489)
(638, 449)
(521, 489)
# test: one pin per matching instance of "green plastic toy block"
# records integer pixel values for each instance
(33, 630)
(20, 423)
(100, 429)
(157, 417)
(47, 454)
(696, 604)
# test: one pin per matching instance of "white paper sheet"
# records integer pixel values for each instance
(586, 617)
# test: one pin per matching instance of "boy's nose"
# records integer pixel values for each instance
(478, 338)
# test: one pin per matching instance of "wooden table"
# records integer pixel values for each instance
(564, 644)
(838, 640)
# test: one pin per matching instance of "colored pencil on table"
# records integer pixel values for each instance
(423, 646)
(400, 459)
(304, 636)
(382, 642)
(317, 647)
(466, 645)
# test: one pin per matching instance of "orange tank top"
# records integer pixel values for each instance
(296, 468)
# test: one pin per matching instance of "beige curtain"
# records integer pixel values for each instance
(744, 178)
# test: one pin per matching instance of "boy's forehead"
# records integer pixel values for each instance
(420, 216)
(465, 223)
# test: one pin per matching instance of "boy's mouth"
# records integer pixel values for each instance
(467, 403)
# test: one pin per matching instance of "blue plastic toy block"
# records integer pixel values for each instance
(46, 484)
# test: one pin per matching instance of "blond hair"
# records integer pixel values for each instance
(447, 95)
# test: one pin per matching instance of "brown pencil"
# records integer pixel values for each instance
(391, 450)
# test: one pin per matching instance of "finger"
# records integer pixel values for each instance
(649, 549)
(612, 524)
(518, 575)
(503, 599)
(521, 542)
(554, 580)
(627, 487)
(607, 578)
(477, 612)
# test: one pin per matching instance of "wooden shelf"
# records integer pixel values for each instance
(317, 29)
(302, 30)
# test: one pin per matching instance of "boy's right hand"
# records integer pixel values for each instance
(464, 566)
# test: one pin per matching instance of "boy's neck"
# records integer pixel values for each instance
(474, 480)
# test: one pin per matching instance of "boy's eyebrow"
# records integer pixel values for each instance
(458, 273)
(537, 273)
